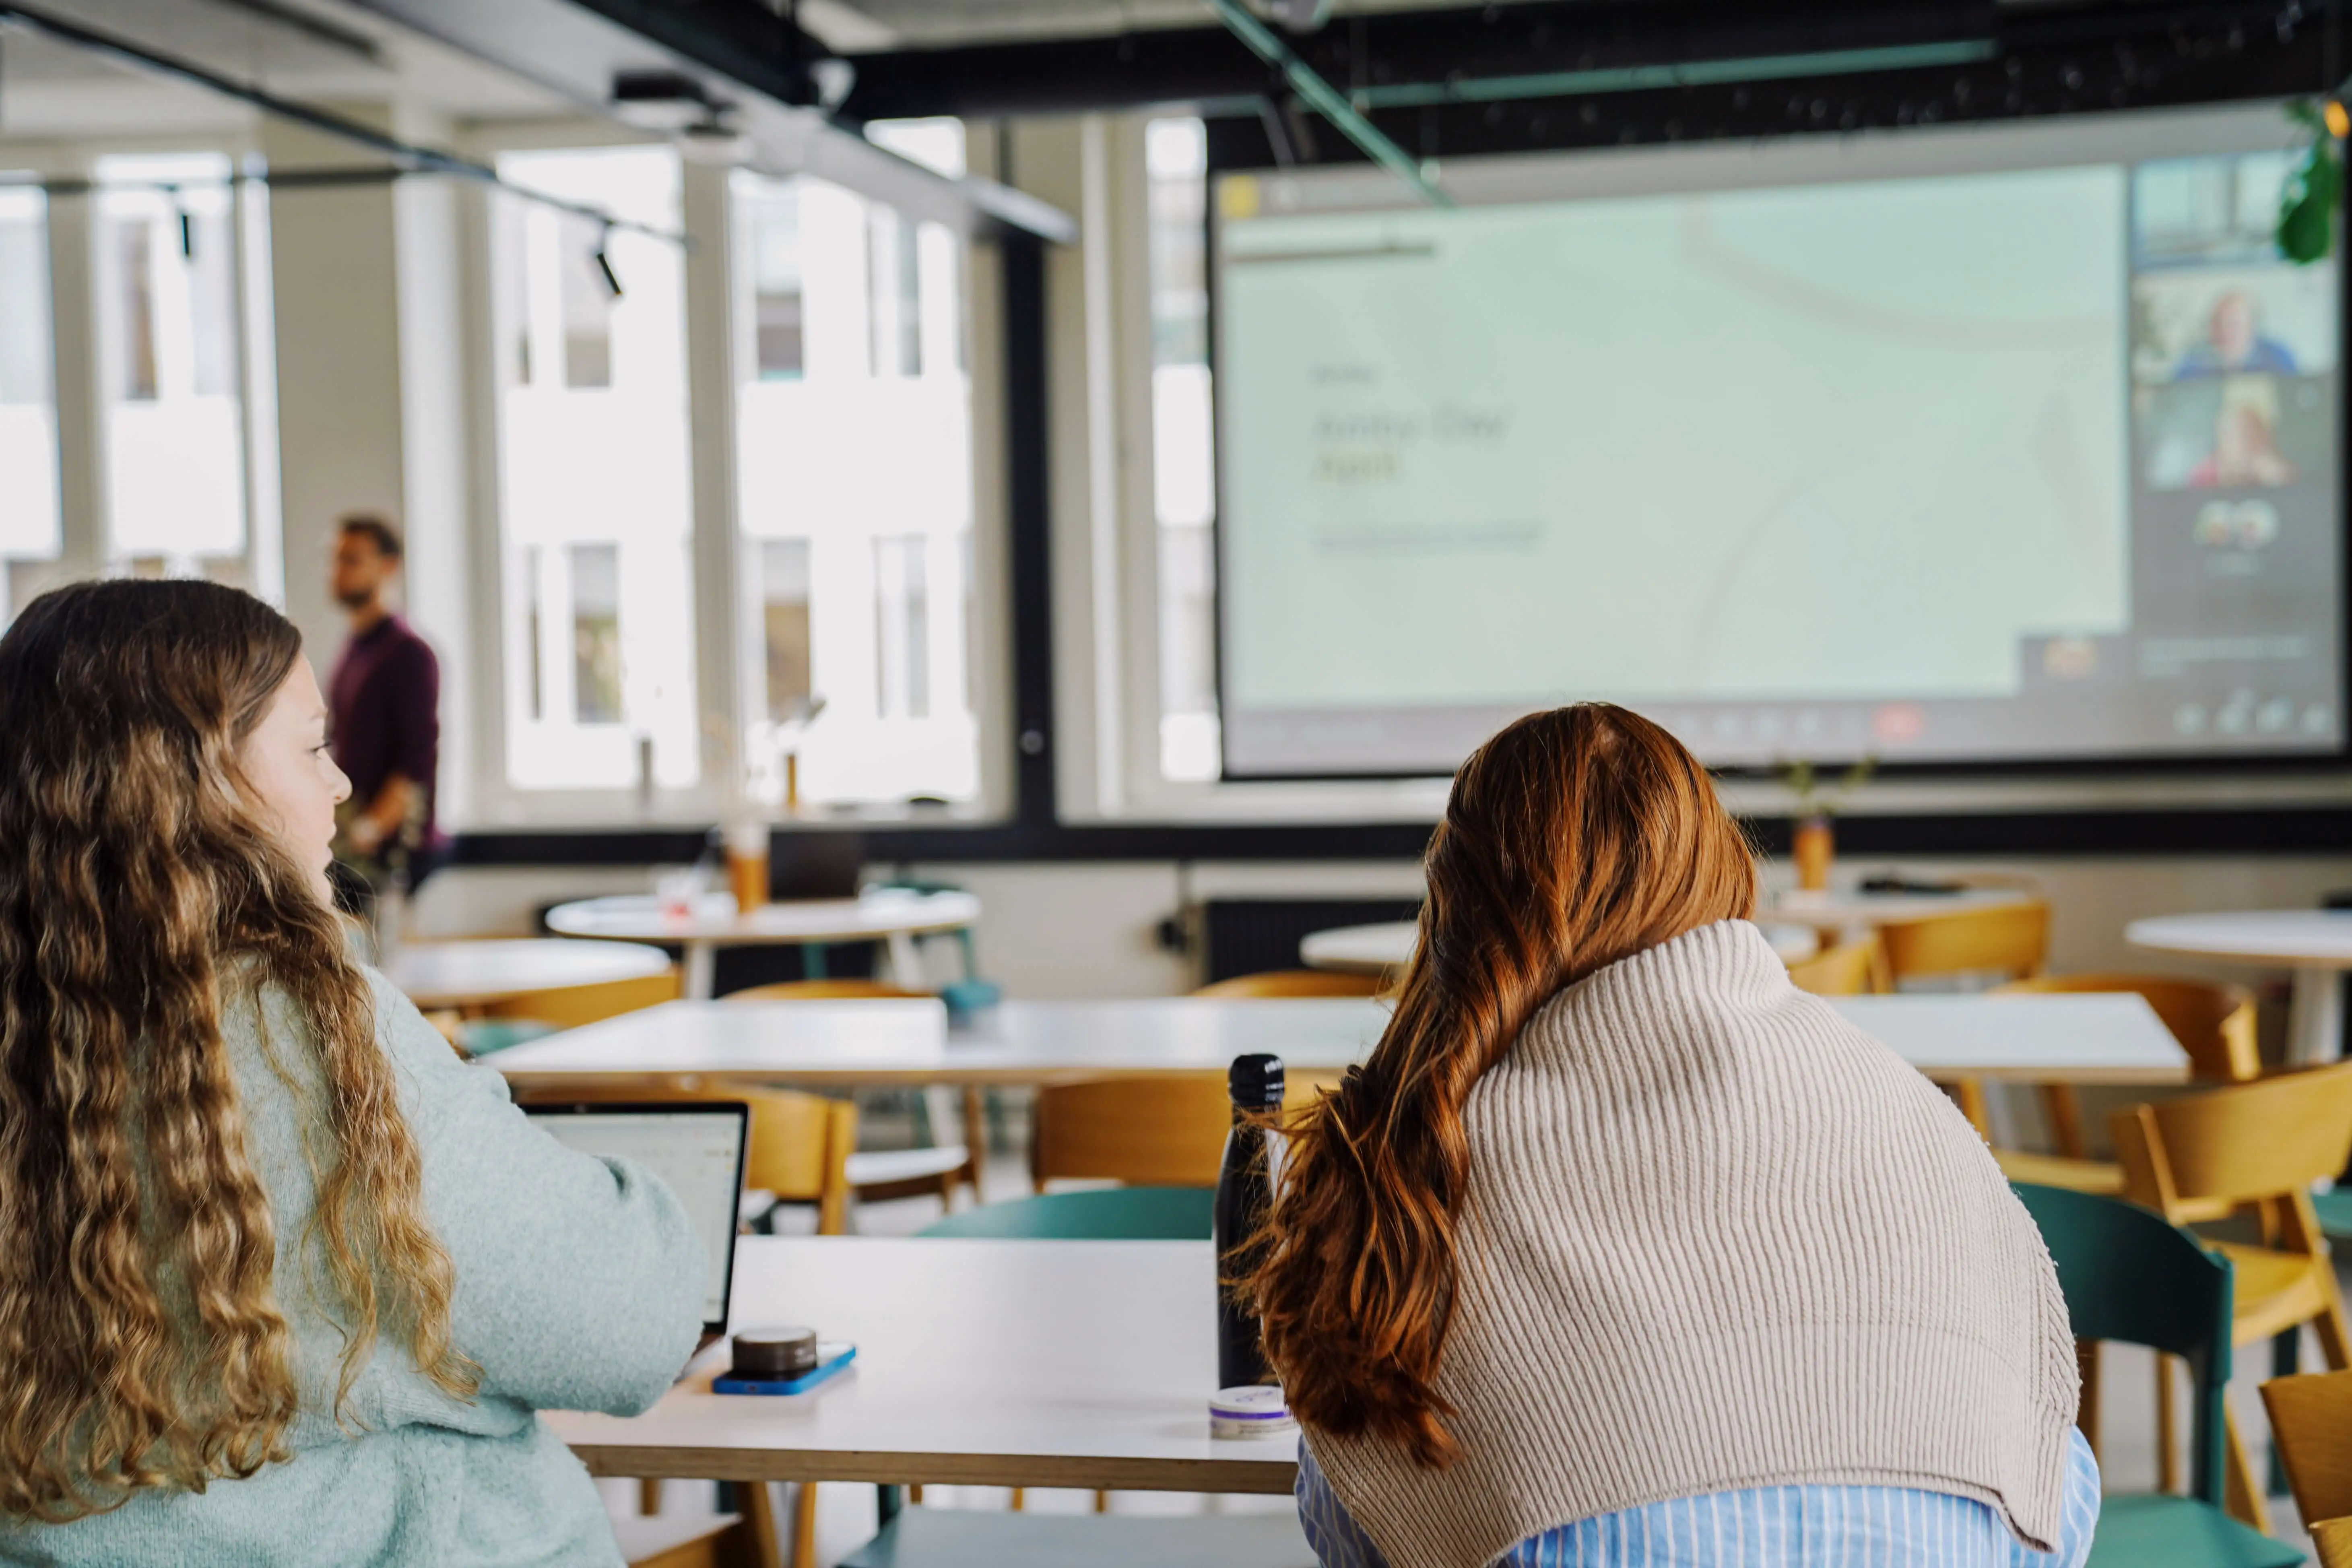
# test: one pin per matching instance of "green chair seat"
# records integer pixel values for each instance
(958, 1538)
(2335, 1210)
(1112, 1214)
(2149, 1531)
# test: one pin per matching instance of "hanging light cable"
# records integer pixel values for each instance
(605, 262)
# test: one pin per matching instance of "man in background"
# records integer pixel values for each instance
(384, 696)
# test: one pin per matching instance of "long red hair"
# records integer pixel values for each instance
(1570, 840)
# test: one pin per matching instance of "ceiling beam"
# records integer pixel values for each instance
(1406, 68)
(578, 48)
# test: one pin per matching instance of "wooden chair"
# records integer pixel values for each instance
(800, 1143)
(2311, 1424)
(2215, 1026)
(572, 1005)
(822, 990)
(927, 1170)
(2255, 1148)
(2130, 1276)
(1848, 969)
(2011, 941)
(1161, 1131)
(494, 1026)
(702, 1541)
(1295, 982)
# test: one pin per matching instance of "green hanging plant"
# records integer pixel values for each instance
(2315, 189)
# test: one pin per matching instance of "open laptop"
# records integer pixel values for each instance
(695, 1146)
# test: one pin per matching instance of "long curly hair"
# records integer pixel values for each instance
(142, 896)
(1570, 840)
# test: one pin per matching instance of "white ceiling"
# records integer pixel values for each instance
(51, 89)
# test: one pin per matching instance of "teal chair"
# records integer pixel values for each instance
(942, 1538)
(934, 1538)
(2129, 1276)
(2335, 1211)
(1112, 1214)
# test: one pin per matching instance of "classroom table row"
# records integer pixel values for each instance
(2314, 946)
(910, 1042)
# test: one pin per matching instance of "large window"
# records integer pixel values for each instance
(29, 529)
(171, 369)
(1184, 487)
(595, 495)
(855, 434)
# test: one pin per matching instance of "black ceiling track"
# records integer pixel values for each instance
(741, 40)
(2068, 55)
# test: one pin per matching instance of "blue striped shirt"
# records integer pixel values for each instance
(1766, 1527)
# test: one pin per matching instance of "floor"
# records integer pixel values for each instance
(845, 1516)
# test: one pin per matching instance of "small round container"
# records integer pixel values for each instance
(1254, 1410)
(773, 1355)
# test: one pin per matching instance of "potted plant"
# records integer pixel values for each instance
(1814, 845)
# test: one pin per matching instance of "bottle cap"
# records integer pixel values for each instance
(1253, 1410)
(1255, 1081)
(767, 1355)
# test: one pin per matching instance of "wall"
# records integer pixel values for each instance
(1087, 930)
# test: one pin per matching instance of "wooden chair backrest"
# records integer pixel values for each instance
(2311, 1417)
(2011, 940)
(1295, 982)
(1162, 1132)
(1848, 969)
(2214, 1022)
(800, 1143)
(820, 991)
(1167, 1131)
(2271, 1139)
(572, 1005)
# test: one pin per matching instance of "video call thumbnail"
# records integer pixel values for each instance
(2232, 345)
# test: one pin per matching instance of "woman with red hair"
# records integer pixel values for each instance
(1621, 1248)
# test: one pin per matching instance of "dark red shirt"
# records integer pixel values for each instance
(384, 699)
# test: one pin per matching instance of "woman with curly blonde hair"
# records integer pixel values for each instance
(281, 1280)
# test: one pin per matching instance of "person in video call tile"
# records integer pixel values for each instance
(2234, 343)
(2245, 450)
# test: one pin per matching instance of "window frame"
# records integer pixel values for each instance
(720, 346)
(1108, 706)
(79, 344)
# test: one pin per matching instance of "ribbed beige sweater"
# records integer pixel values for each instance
(1717, 1238)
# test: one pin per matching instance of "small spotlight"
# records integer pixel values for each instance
(2339, 121)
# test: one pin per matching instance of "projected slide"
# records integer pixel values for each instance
(1876, 463)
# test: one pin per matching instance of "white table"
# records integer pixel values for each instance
(2315, 945)
(437, 975)
(893, 916)
(1388, 944)
(2095, 1038)
(1040, 1363)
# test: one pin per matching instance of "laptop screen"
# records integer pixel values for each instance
(696, 1148)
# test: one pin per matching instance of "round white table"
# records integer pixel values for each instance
(439, 974)
(892, 916)
(2315, 945)
(1379, 948)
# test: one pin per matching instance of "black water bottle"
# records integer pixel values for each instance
(1244, 1187)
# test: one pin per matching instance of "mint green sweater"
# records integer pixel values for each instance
(579, 1287)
